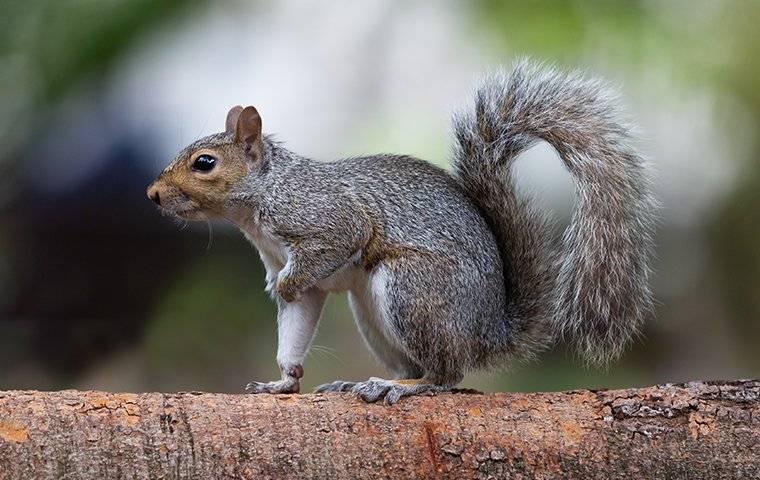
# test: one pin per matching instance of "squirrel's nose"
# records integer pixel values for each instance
(153, 194)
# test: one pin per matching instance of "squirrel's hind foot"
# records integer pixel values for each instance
(391, 391)
(336, 386)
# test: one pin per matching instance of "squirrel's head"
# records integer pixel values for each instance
(199, 182)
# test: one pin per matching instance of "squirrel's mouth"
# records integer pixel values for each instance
(182, 208)
(184, 213)
(178, 205)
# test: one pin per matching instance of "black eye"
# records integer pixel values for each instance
(204, 163)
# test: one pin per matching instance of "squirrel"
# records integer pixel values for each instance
(446, 272)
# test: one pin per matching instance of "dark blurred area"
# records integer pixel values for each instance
(97, 290)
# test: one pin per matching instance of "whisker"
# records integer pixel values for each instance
(179, 131)
(323, 348)
(181, 134)
(181, 223)
(210, 234)
(326, 351)
(203, 128)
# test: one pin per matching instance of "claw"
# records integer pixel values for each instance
(336, 386)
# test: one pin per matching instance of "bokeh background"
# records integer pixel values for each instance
(97, 290)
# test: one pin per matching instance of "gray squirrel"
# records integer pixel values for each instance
(446, 272)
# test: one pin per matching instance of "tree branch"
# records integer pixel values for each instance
(698, 430)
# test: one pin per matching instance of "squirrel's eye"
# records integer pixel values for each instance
(204, 163)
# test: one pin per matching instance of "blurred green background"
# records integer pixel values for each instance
(97, 290)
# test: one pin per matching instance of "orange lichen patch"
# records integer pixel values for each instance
(582, 398)
(126, 397)
(125, 404)
(94, 403)
(527, 403)
(133, 413)
(475, 412)
(700, 425)
(12, 432)
(573, 432)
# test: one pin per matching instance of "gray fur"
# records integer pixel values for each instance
(450, 272)
(445, 287)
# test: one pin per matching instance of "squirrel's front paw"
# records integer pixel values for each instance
(288, 289)
(288, 385)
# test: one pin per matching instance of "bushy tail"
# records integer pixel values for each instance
(593, 289)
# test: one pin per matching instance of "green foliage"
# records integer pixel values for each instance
(561, 30)
(65, 40)
(215, 317)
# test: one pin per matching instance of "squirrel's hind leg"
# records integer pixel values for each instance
(394, 390)
(345, 386)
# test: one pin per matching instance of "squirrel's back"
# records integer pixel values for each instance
(420, 203)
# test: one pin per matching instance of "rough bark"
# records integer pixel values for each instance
(693, 431)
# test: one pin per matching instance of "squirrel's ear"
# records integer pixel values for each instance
(232, 118)
(248, 129)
